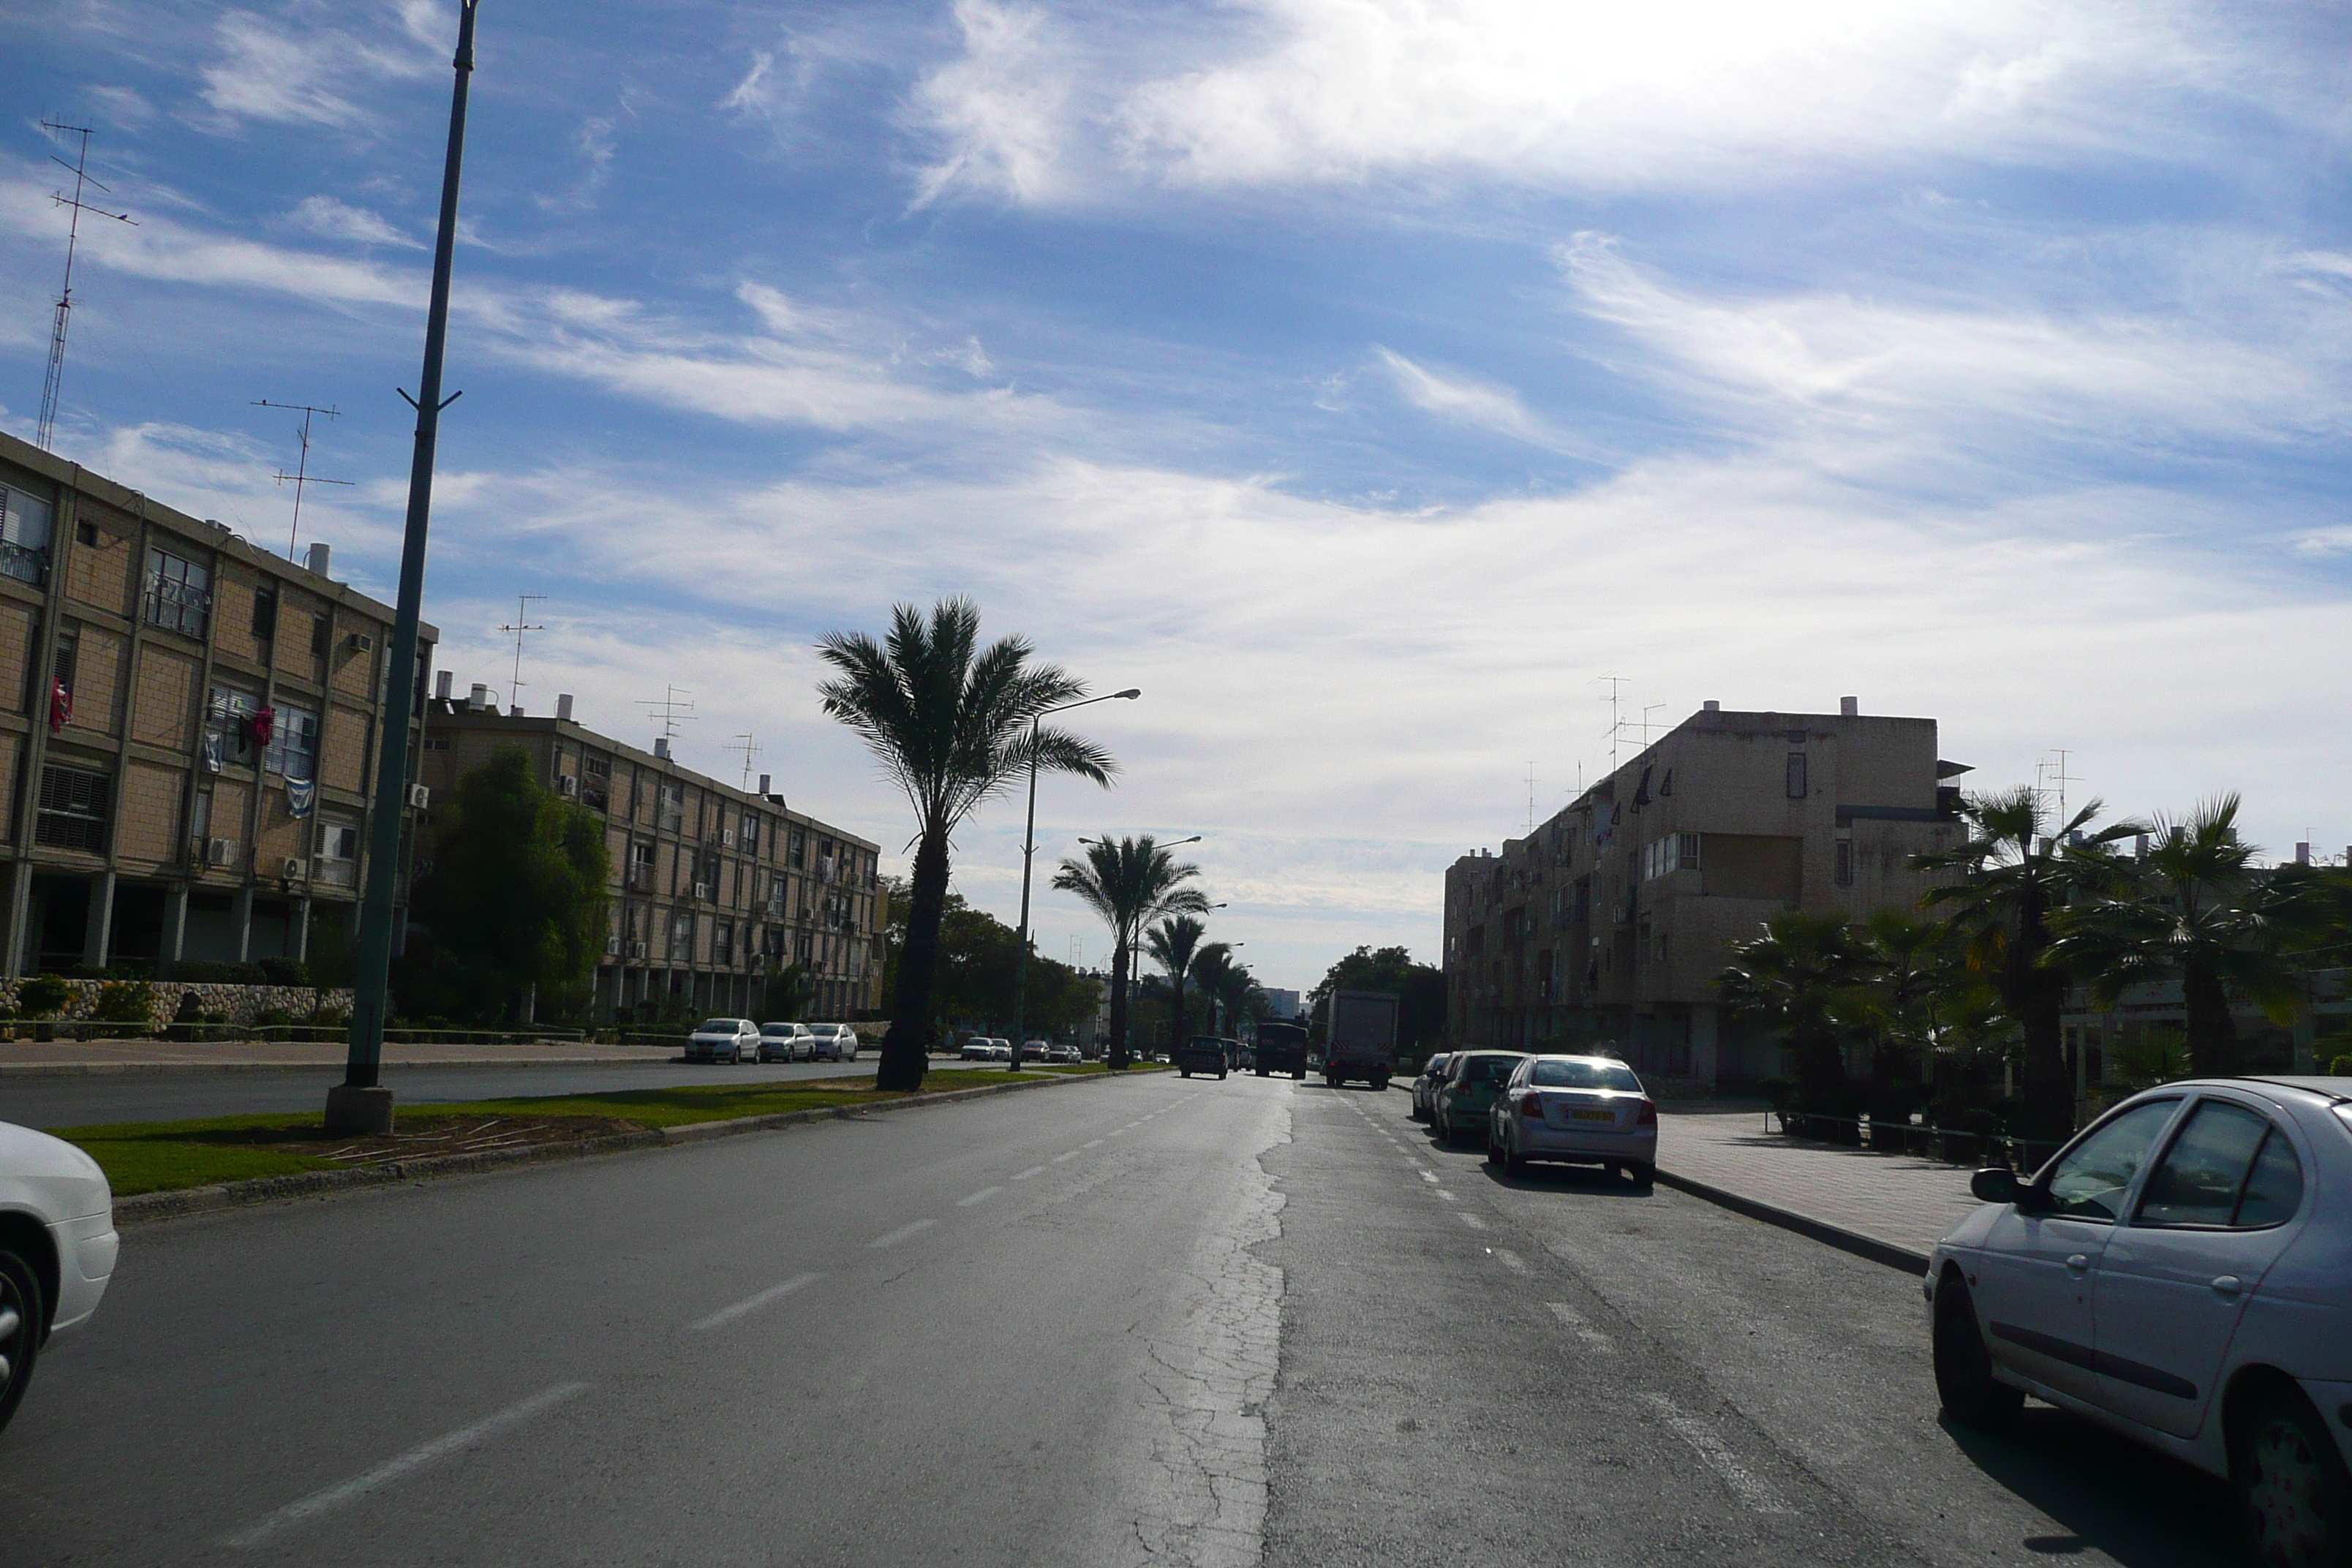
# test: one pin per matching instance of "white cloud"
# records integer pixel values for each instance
(275, 69)
(999, 108)
(326, 216)
(1465, 400)
(125, 107)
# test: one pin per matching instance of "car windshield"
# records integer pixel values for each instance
(1437, 1064)
(715, 1026)
(1488, 1070)
(1584, 1075)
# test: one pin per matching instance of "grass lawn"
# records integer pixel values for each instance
(158, 1156)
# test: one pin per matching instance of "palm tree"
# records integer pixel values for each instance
(1212, 971)
(951, 723)
(1228, 983)
(2013, 872)
(1800, 977)
(1128, 883)
(1172, 944)
(2196, 912)
(1910, 962)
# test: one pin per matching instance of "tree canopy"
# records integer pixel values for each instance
(1419, 988)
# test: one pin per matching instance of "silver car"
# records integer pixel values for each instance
(2181, 1273)
(724, 1040)
(1587, 1111)
(58, 1246)
(1424, 1085)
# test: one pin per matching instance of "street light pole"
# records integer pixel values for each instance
(1028, 853)
(360, 1104)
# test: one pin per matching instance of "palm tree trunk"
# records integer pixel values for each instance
(906, 1049)
(1176, 1015)
(2212, 1033)
(1117, 1054)
(2038, 1001)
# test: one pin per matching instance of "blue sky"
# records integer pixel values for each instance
(1364, 379)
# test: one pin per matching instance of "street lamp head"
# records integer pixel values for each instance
(1130, 693)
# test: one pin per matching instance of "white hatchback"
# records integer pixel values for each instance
(834, 1042)
(2180, 1272)
(58, 1246)
(724, 1039)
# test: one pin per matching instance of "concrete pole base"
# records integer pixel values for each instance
(358, 1113)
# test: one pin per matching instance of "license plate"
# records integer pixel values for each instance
(1592, 1116)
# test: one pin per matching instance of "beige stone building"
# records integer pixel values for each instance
(187, 726)
(1610, 919)
(715, 889)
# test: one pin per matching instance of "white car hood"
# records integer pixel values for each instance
(49, 1178)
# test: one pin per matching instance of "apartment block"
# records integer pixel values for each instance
(187, 731)
(1611, 921)
(715, 889)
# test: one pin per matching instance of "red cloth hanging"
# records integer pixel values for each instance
(257, 728)
(61, 706)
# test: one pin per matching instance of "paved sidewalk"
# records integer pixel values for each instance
(65, 1056)
(1899, 1203)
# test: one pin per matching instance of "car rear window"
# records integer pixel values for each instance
(1488, 1070)
(715, 1026)
(1584, 1075)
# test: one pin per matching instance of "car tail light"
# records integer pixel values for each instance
(1649, 1115)
(1532, 1108)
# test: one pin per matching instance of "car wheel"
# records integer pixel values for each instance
(1185, 1073)
(2293, 1493)
(1514, 1162)
(1644, 1174)
(1263, 1072)
(1298, 1075)
(1221, 1077)
(1493, 1150)
(20, 1329)
(1971, 1394)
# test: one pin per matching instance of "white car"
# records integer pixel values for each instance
(723, 1039)
(834, 1042)
(786, 1042)
(58, 1246)
(1588, 1110)
(1000, 1049)
(2181, 1272)
(1066, 1054)
(975, 1048)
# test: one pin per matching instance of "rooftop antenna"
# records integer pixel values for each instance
(1648, 709)
(302, 475)
(50, 382)
(2057, 778)
(523, 616)
(750, 748)
(1616, 722)
(1531, 797)
(671, 710)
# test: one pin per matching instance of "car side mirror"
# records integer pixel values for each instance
(1996, 1184)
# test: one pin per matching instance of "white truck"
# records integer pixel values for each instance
(1360, 1037)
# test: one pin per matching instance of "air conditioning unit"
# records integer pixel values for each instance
(293, 870)
(567, 787)
(612, 947)
(359, 642)
(420, 797)
(727, 837)
(775, 909)
(221, 852)
(703, 890)
(637, 950)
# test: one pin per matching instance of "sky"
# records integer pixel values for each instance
(1368, 381)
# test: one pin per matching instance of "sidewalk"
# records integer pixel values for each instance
(1891, 1207)
(64, 1058)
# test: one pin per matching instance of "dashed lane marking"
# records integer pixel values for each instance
(1507, 1258)
(753, 1303)
(1472, 1220)
(983, 1194)
(1032, 1170)
(1580, 1329)
(914, 1229)
(1713, 1452)
(1066, 1155)
(1429, 1176)
(1091, 1143)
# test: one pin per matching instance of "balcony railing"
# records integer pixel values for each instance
(23, 563)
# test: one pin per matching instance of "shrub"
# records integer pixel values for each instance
(1781, 1092)
(270, 1015)
(285, 971)
(205, 971)
(124, 1002)
(190, 1010)
(2341, 1067)
(44, 995)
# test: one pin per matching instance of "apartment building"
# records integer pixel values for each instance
(715, 889)
(1611, 921)
(187, 731)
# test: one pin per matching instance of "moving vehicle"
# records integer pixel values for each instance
(58, 1246)
(1202, 1054)
(723, 1039)
(1587, 1111)
(2177, 1273)
(976, 1048)
(1467, 1091)
(1034, 1050)
(1066, 1054)
(834, 1042)
(1360, 1037)
(1425, 1086)
(786, 1042)
(1281, 1048)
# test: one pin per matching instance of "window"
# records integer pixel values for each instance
(73, 809)
(2229, 1167)
(750, 838)
(1675, 852)
(799, 853)
(805, 952)
(1798, 789)
(293, 744)
(722, 943)
(200, 816)
(670, 812)
(264, 612)
(179, 592)
(322, 628)
(69, 659)
(1846, 862)
(24, 535)
(681, 934)
(1584, 1075)
(2089, 1180)
(228, 727)
(336, 846)
(596, 783)
(86, 533)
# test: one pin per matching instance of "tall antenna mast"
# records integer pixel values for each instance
(1531, 797)
(670, 710)
(302, 475)
(521, 620)
(750, 748)
(1616, 723)
(2062, 778)
(56, 372)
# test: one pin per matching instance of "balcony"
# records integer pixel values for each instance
(26, 563)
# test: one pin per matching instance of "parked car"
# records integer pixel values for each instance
(1585, 1110)
(834, 1042)
(723, 1039)
(976, 1048)
(1425, 1086)
(1472, 1080)
(1034, 1050)
(786, 1042)
(58, 1246)
(2180, 1272)
(1064, 1054)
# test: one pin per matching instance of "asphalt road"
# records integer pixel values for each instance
(1150, 1321)
(85, 1101)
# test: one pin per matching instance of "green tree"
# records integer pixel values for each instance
(2196, 910)
(951, 724)
(1130, 882)
(1802, 977)
(1228, 984)
(1172, 944)
(515, 900)
(1419, 988)
(1912, 977)
(2015, 870)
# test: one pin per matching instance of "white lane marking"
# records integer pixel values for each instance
(1091, 1143)
(1506, 1257)
(1118, 1131)
(1472, 1220)
(902, 1232)
(1070, 1155)
(981, 1197)
(1711, 1450)
(1429, 1176)
(1580, 1329)
(1137, 1122)
(1446, 1195)
(1032, 1170)
(753, 1303)
(416, 1458)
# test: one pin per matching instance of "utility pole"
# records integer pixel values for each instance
(302, 475)
(360, 1104)
(521, 620)
(50, 382)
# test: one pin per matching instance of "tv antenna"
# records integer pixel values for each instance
(2055, 778)
(1616, 684)
(674, 707)
(522, 625)
(1531, 797)
(302, 475)
(46, 427)
(750, 748)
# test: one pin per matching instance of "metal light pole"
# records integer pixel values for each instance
(1029, 853)
(359, 1104)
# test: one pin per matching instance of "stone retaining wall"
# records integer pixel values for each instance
(232, 1004)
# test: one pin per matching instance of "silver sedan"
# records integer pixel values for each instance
(1588, 1111)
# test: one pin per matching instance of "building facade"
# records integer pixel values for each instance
(1612, 919)
(187, 732)
(715, 890)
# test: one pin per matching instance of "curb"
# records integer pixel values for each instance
(1845, 1240)
(145, 1207)
(114, 1070)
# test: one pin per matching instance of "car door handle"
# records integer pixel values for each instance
(2227, 1285)
(2078, 1262)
